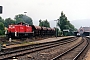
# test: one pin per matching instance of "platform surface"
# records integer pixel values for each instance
(87, 57)
(39, 41)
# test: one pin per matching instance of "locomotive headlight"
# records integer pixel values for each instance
(15, 33)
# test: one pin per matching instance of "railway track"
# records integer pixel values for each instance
(72, 53)
(6, 54)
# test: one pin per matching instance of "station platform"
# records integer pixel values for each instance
(38, 42)
(87, 57)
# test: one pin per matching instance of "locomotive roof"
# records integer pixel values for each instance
(22, 23)
(85, 29)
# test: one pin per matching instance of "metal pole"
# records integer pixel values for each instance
(56, 27)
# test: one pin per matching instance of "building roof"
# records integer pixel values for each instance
(85, 29)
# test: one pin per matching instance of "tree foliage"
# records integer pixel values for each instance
(1, 28)
(1, 20)
(23, 18)
(44, 23)
(8, 21)
(64, 23)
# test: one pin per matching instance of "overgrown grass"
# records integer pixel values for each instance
(27, 43)
(2, 35)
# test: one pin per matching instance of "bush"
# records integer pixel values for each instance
(1, 28)
(1, 33)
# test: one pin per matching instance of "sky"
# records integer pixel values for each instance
(46, 9)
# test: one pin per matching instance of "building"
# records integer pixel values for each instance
(83, 31)
(86, 31)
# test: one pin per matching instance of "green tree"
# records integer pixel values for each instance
(27, 19)
(40, 22)
(44, 23)
(8, 21)
(64, 23)
(23, 18)
(1, 28)
(1, 20)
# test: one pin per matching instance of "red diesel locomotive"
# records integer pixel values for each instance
(26, 30)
